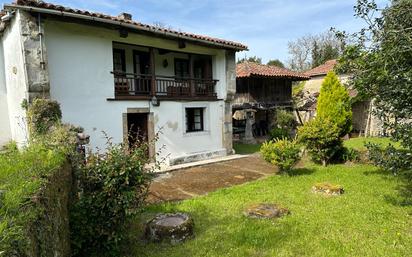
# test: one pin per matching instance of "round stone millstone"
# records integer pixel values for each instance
(265, 210)
(170, 227)
(328, 189)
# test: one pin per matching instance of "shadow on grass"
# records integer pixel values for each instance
(404, 197)
(300, 172)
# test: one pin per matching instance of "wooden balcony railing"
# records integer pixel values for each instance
(135, 86)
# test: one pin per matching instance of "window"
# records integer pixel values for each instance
(181, 68)
(119, 60)
(194, 119)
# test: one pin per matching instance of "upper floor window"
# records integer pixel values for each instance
(119, 60)
(181, 68)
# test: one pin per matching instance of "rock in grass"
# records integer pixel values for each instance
(266, 210)
(328, 189)
(170, 227)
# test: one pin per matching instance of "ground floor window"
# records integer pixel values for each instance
(194, 119)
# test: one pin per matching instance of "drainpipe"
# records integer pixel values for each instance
(42, 63)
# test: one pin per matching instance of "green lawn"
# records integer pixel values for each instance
(246, 149)
(368, 220)
(359, 143)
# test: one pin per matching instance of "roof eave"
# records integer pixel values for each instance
(122, 24)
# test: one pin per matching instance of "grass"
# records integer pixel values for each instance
(356, 143)
(367, 220)
(22, 174)
(359, 142)
(246, 149)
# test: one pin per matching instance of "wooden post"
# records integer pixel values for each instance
(152, 71)
(191, 76)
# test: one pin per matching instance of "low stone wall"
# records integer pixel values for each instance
(50, 233)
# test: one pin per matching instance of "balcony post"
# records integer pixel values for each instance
(191, 76)
(152, 71)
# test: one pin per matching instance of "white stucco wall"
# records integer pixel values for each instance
(15, 79)
(80, 60)
(5, 132)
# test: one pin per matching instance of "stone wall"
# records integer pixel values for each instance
(231, 91)
(35, 56)
(50, 233)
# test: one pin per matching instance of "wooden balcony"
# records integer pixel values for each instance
(130, 86)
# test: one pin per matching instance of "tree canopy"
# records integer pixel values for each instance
(380, 59)
(276, 62)
(250, 59)
(334, 104)
(310, 51)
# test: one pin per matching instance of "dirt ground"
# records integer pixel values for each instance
(187, 183)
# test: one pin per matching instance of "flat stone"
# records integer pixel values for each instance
(265, 210)
(170, 227)
(239, 177)
(328, 189)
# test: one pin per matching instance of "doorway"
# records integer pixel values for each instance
(142, 71)
(137, 127)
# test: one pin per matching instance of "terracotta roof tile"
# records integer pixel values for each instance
(50, 6)
(322, 69)
(247, 69)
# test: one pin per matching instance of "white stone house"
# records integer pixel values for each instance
(113, 74)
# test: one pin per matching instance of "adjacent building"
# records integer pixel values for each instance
(260, 89)
(363, 121)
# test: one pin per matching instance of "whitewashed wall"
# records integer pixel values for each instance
(15, 79)
(5, 132)
(80, 60)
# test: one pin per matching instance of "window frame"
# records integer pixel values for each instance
(122, 53)
(180, 61)
(190, 121)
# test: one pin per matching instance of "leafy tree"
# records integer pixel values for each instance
(334, 103)
(310, 51)
(276, 62)
(250, 59)
(380, 59)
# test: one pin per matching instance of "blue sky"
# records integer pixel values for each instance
(265, 26)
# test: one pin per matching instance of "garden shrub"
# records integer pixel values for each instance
(284, 125)
(285, 119)
(278, 133)
(42, 114)
(283, 153)
(322, 139)
(112, 187)
(334, 104)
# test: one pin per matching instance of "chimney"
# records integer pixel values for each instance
(125, 16)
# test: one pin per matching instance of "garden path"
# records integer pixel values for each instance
(187, 183)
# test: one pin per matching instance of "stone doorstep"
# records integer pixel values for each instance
(165, 169)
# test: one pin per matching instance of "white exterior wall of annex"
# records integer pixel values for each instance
(5, 132)
(80, 61)
(14, 84)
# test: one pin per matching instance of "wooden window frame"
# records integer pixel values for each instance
(178, 60)
(123, 56)
(190, 121)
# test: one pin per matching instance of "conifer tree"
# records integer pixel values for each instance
(334, 103)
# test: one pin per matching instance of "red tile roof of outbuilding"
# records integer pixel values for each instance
(322, 69)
